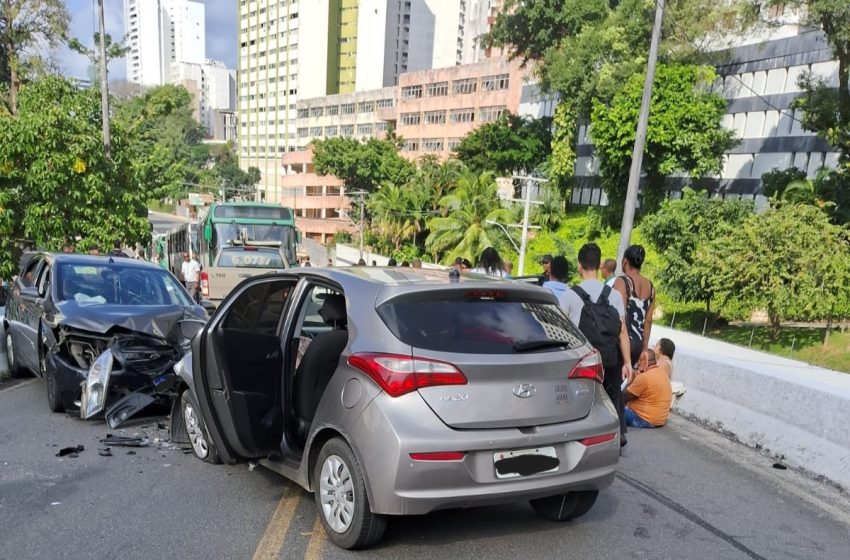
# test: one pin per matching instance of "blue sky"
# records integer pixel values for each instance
(220, 22)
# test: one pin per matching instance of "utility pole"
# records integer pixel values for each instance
(362, 207)
(640, 139)
(104, 83)
(528, 181)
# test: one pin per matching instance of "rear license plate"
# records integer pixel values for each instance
(525, 462)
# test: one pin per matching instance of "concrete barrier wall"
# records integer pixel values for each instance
(797, 412)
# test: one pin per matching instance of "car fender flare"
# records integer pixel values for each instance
(177, 427)
(314, 445)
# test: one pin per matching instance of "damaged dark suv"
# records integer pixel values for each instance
(96, 329)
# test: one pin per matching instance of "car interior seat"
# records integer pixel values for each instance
(319, 364)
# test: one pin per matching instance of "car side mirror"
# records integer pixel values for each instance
(190, 327)
(209, 306)
(30, 293)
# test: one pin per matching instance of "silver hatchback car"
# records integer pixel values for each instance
(399, 391)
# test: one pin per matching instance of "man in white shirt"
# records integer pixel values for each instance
(589, 257)
(190, 273)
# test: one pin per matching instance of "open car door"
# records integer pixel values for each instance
(238, 369)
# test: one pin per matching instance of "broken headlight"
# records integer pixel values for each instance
(95, 386)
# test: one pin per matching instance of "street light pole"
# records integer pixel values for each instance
(640, 139)
(524, 240)
(104, 83)
(503, 228)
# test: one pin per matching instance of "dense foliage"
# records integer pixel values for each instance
(507, 145)
(789, 261)
(363, 166)
(684, 134)
(56, 186)
(679, 229)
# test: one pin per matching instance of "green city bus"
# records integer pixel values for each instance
(237, 240)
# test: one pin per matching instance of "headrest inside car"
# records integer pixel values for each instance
(333, 310)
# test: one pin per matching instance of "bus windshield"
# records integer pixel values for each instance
(229, 232)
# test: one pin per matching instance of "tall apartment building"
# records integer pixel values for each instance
(213, 89)
(304, 49)
(160, 32)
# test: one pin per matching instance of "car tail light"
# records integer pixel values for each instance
(589, 367)
(595, 440)
(439, 456)
(399, 375)
(205, 284)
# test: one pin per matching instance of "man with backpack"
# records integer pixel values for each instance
(599, 312)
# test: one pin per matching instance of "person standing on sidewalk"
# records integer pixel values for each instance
(638, 295)
(587, 308)
(190, 273)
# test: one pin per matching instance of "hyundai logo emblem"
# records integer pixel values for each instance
(524, 390)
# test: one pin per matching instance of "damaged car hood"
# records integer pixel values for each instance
(155, 320)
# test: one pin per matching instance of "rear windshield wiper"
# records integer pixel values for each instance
(528, 345)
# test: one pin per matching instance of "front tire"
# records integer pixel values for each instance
(55, 400)
(341, 498)
(202, 446)
(565, 507)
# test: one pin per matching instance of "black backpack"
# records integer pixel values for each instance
(600, 325)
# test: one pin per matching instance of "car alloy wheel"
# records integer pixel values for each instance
(196, 430)
(337, 494)
(196, 434)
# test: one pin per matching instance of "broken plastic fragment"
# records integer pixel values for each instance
(70, 451)
(125, 441)
(252, 465)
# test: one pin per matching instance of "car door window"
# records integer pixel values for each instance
(29, 277)
(310, 323)
(259, 308)
(44, 280)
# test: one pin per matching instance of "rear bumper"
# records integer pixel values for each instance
(401, 486)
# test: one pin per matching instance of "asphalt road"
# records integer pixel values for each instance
(682, 492)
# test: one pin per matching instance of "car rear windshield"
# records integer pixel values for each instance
(251, 257)
(479, 322)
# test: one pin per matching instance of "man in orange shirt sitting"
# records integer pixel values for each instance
(649, 396)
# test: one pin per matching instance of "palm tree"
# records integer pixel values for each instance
(389, 207)
(549, 213)
(464, 231)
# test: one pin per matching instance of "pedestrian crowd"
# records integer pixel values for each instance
(615, 314)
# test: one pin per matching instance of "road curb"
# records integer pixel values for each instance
(792, 410)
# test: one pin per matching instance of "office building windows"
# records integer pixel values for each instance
(411, 92)
(490, 114)
(495, 83)
(435, 117)
(409, 119)
(468, 85)
(437, 89)
(462, 115)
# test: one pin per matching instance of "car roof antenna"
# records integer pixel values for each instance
(111, 261)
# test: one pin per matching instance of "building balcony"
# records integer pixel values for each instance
(326, 202)
(304, 180)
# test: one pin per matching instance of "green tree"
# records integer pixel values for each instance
(509, 144)
(684, 134)
(679, 228)
(220, 172)
(362, 165)
(26, 26)
(56, 186)
(113, 50)
(586, 49)
(789, 261)
(465, 231)
(550, 212)
(163, 133)
(776, 180)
